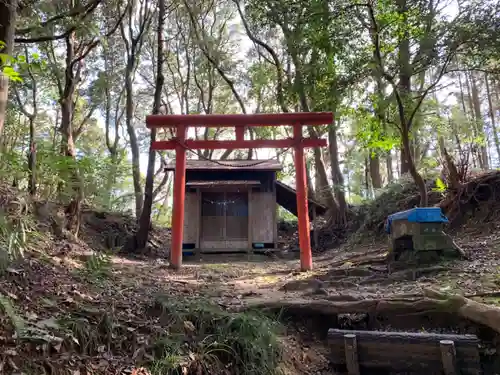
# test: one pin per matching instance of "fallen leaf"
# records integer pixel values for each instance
(189, 326)
(48, 323)
(14, 271)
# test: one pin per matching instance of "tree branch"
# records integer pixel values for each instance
(274, 55)
(206, 53)
(78, 10)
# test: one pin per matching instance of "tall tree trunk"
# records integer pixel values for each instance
(404, 86)
(479, 123)
(375, 171)
(133, 33)
(304, 105)
(368, 193)
(324, 195)
(145, 219)
(8, 13)
(380, 88)
(405, 167)
(476, 155)
(388, 167)
(491, 111)
(417, 177)
(112, 145)
(32, 158)
(134, 143)
(68, 149)
(337, 177)
(310, 186)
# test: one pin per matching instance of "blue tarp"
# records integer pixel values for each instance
(417, 215)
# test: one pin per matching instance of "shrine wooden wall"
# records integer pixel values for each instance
(262, 222)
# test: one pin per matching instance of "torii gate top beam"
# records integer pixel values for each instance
(238, 120)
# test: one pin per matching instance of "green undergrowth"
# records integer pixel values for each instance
(168, 336)
(97, 266)
(18, 232)
(215, 341)
(368, 219)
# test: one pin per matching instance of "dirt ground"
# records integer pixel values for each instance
(349, 273)
(68, 282)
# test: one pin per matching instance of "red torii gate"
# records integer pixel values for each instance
(240, 121)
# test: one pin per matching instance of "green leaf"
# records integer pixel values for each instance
(12, 74)
(6, 59)
(440, 186)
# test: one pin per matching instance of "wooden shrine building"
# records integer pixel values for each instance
(231, 205)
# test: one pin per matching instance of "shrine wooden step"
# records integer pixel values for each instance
(412, 353)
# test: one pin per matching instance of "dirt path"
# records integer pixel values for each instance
(337, 275)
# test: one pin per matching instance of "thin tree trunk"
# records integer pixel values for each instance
(145, 218)
(492, 116)
(32, 159)
(134, 143)
(133, 38)
(462, 95)
(404, 169)
(404, 85)
(388, 167)
(375, 171)
(398, 165)
(337, 177)
(479, 123)
(8, 13)
(68, 149)
(476, 155)
(367, 178)
(310, 187)
(321, 178)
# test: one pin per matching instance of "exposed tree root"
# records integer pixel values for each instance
(477, 312)
(432, 301)
(469, 196)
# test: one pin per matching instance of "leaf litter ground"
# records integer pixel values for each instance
(68, 317)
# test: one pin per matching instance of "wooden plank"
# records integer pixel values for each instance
(224, 250)
(212, 244)
(351, 354)
(198, 227)
(275, 217)
(224, 229)
(250, 215)
(263, 222)
(236, 244)
(238, 250)
(448, 357)
(190, 218)
(403, 351)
